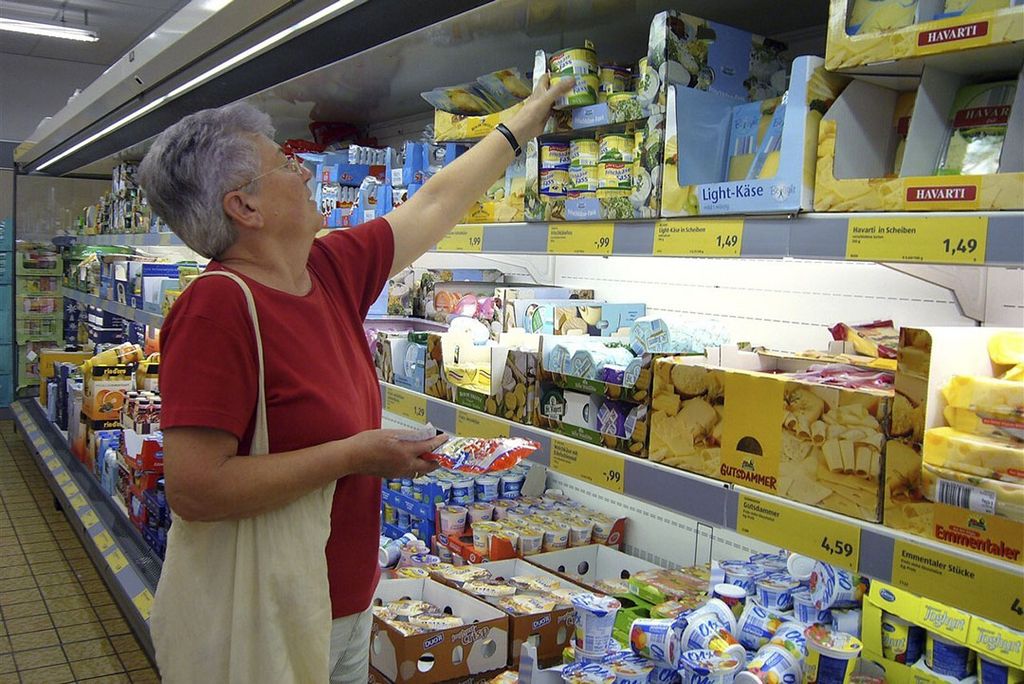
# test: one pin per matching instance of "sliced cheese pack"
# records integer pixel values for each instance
(985, 394)
(980, 494)
(1003, 427)
(974, 455)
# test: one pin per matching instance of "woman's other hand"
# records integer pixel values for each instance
(382, 453)
(529, 121)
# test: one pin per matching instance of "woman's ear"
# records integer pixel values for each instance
(242, 209)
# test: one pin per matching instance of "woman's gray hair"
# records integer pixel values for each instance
(194, 163)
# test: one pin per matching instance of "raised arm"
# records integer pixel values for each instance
(422, 221)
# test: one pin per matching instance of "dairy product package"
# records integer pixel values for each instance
(967, 7)
(671, 335)
(744, 137)
(985, 394)
(974, 493)
(901, 122)
(1007, 428)
(977, 129)
(974, 455)
(876, 16)
(766, 160)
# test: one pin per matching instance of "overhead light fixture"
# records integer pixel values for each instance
(263, 45)
(37, 28)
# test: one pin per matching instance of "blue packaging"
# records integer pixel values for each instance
(991, 672)
(948, 658)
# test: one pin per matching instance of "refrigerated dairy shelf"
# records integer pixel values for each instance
(924, 567)
(122, 310)
(127, 564)
(902, 238)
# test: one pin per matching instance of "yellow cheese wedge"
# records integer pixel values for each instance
(975, 493)
(975, 455)
(985, 394)
(1006, 348)
(1002, 427)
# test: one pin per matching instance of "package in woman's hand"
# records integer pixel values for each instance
(475, 455)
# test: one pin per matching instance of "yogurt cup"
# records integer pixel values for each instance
(583, 152)
(847, 620)
(511, 484)
(587, 673)
(707, 667)
(509, 534)
(580, 532)
(628, 667)
(902, 641)
(833, 587)
(463, 491)
(486, 488)
(595, 619)
(531, 540)
(657, 640)
(732, 595)
(790, 636)
(480, 512)
(743, 575)
(800, 567)
(776, 591)
(831, 656)
(602, 528)
(554, 155)
(805, 611)
(502, 508)
(453, 520)
(720, 609)
(757, 625)
(706, 632)
(991, 672)
(771, 665)
(482, 532)
(948, 658)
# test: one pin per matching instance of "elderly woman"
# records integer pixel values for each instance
(271, 408)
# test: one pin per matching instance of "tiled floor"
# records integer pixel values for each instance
(58, 621)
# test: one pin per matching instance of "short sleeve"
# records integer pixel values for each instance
(360, 259)
(208, 363)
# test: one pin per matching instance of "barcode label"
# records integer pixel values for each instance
(966, 496)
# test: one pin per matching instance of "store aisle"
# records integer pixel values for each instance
(58, 622)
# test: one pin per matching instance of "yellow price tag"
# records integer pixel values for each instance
(597, 467)
(70, 488)
(89, 519)
(929, 239)
(52, 464)
(63, 477)
(78, 501)
(957, 581)
(463, 238)
(102, 540)
(471, 424)
(699, 238)
(406, 404)
(117, 561)
(581, 238)
(800, 531)
(144, 602)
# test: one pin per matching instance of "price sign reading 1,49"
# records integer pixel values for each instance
(922, 239)
(698, 237)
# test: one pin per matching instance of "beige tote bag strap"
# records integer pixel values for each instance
(260, 437)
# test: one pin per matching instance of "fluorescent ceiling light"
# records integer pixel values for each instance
(50, 30)
(261, 46)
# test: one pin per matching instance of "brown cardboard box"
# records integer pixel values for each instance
(817, 444)
(106, 389)
(481, 645)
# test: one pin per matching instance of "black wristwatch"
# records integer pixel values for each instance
(503, 129)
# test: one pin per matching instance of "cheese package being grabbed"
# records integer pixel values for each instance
(974, 455)
(476, 455)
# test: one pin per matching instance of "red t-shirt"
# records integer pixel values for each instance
(320, 380)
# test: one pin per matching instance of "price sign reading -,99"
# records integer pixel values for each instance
(595, 466)
(581, 238)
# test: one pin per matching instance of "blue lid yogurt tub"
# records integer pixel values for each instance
(587, 673)
(628, 667)
(595, 619)
(833, 587)
(790, 636)
(757, 625)
(831, 655)
(743, 575)
(706, 667)
(948, 658)
(657, 640)
(721, 610)
(902, 641)
(776, 591)
(805, 611)
(991, 672)
(771, 665)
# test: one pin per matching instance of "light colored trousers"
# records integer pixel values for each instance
(350, 648)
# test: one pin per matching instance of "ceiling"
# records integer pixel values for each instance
(121, 24)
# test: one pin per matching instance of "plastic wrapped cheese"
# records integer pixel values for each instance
(985, 394)
(973, 455)
(1003, 427)
(975, 493)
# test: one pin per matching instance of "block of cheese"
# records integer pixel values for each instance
(974, 455)
(980, 494)
(985, 394)
(1003, 427)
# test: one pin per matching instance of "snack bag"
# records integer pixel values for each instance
(475, 455)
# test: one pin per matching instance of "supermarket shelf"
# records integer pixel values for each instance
(132, 314)
(798, 527)
(804, 236)
(128, 566)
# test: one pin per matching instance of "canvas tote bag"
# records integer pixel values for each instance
(247, 601)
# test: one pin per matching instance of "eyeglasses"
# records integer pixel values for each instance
(293, 164)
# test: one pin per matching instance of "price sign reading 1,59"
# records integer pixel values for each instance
(836, 547)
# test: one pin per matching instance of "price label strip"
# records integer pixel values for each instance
(698, 238)
(919, 239)
(470, 424)
(102, 540)
(581, 238)
(89, 519)
(463, 238)
(78, 501)
(975, 587)
(70, 488)
(117, 561)
(799, 531)
(62, 477)
(144, 602)
(405, 404)
(590, 465)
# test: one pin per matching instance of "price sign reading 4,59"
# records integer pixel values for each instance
(836, 547)
(921, 239)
